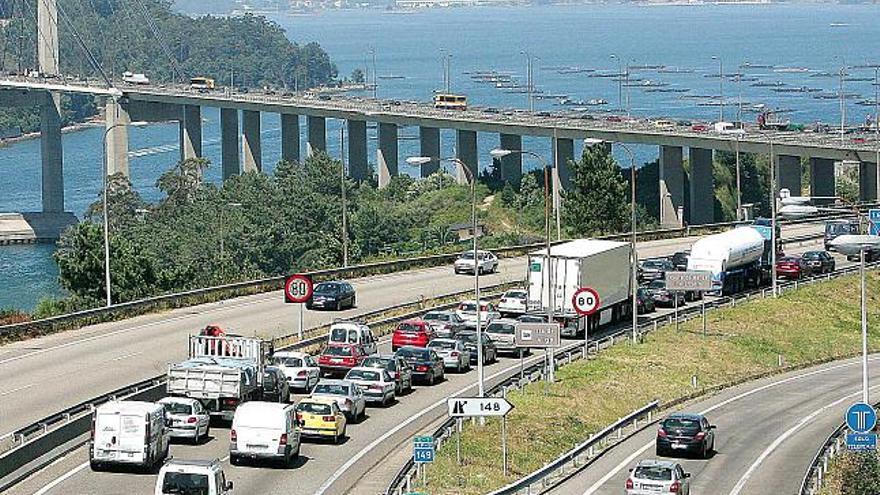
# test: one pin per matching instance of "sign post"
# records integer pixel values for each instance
(297, 290)
(693, 280)
(874, 221)
(861, 419)
(470, 407)
(537, 335)
(586, 302)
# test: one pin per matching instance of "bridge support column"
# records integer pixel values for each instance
(511, 165)
(252, 147)
(290, 137)
(386, 154)
(790, 173)
(867, 181)
(229, 156)
(671, 185)
(702, 187)
(190, 132)
(47, 37)
(358, 168)
(116, 120)
(564, 153)
(317, 134)
(51, 154)
(466, 151)
(429, 145)
(822, 178)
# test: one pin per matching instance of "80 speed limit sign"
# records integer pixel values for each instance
(585, 301)
(298, 289)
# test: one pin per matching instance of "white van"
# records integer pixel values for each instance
(128, 433)
(196, 477)
(353, 332)
(264, 430)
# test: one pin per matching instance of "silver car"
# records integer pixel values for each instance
(487, 262)
(455, 355)
(348, 395)
(501, 331)
(189, 419)
(651, 476)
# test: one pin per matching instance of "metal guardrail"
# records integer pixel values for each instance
(814, 478)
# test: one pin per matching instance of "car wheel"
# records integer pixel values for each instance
(234, 460)
(339, 306)
(96, 466)
(431, 379)
(704, 452)
(659, 452)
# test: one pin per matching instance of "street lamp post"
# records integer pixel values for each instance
(720, 86)
(530, 83)
(422, 160)
(739, 214)
(619, 81)
(342, 191)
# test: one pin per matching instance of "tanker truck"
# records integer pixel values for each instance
(738, 259)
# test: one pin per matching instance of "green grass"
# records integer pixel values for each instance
(743, 341)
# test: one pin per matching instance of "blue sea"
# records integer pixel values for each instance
(796, 45)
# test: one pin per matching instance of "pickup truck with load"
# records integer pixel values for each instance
(221, 372)
(602, 265)
(738, 259)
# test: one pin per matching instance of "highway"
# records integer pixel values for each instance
(768, 432)
(369, 442)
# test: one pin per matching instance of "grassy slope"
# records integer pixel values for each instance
(743, 341)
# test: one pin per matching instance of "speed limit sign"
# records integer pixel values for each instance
(585, 301)
(298, 289)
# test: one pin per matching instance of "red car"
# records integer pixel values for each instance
(792, 267)
(338, 359)
(412, 332)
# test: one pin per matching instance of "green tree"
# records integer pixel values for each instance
(357, 76)
(181, 184)
(597, 202)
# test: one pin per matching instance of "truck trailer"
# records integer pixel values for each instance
(738, 259)
(602, 265)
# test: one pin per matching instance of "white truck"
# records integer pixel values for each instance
(221, 372)
(738, 259)
(602, 265)
(133, 78)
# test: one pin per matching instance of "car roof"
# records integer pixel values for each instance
(296, 354)
(192, 462)
(183, 400)
(417, 321)
(444, 339)
(681, 415)
(382, 356)
(318, 400)
(128, 407)
(335, 382)
(657, 463)
(504, 320)
(413, 348)
(362, 368)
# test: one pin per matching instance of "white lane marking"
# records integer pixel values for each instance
(626, 462)
(124, 356)
(23, 387)
(57, 481)
(385, 436)
(776, 443)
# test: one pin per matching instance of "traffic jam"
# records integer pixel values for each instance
(271, 402)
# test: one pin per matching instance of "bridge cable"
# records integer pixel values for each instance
(161, 40)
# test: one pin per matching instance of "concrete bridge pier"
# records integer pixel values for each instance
(252, 147)
(822, 178)
(317, 134)
(387, 153)
(429, 145)
(867, 181)
(116, 121)
(358, 168)
(51, 154)
(789, 170)
(229, 150)
(511, 165)
(466, 151)
(290, 137)
(671, 185)
(564, 149)
(190, 126)
(702, 187)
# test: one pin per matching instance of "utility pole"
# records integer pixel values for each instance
(342, 188)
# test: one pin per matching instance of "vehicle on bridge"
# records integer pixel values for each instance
(449, 101)
(180, 476)
(202, 83)
(135, 78)
(128, 433)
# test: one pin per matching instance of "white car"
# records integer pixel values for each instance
(348, 395)
(455, 355)
(502, 331)
(487, 262)
(189, 419)
(300, 369)
(181, 476)
(467, 311)
(264, 431)
(651, 476)
(513, 302)
(377, 384)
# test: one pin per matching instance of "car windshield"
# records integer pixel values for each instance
(409, 327)
(657, 284)
(313, 408)
(413, 353)
(185, 483)
(327, 288)
(654, 264)
(654, 473)
(813, 255)
(376, 362)
(517, 294)
(471, 307)
(338, 351)
(441, 344)
(331, 389)
(436, 317)
(681, 423)
(365, 375)
(340, 334)
(788, 259)
(290, 362)
(466, 256)
(177, 408)
(500, 328)
(531, 319)
(467, 337)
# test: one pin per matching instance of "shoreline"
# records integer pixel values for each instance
(27, 136)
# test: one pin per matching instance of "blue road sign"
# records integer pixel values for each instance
(765, 230)
(874, 219)
(423, 449)
(861, 418)
(861, 441)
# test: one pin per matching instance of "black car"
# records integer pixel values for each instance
(275, 386)
(427, 365)
(645, 301)
(532, 318)
(469, 337)
(397, 367)
(336, 295)
(680, 260)
(655, 269)
(686, 433)
(663, 296)
(819, 261)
